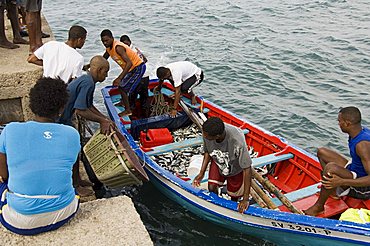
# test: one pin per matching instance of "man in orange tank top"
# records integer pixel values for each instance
(132, 66)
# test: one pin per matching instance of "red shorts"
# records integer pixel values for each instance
(234, 184)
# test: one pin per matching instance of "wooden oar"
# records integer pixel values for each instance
(272, 188)
(257, 198)
(262, 195)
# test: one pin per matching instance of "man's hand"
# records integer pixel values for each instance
(331, 181)
(105, 126)
(116, 81)
(243, 205)
(198, 179)
(157, 89)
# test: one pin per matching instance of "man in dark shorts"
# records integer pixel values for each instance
(340, 175)
(225, 147)
(142, 88)
(184, 76)
(11, 8)
(132, 66)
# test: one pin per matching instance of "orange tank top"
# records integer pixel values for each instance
(135, 59)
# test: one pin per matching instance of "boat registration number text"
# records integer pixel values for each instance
(300, 228)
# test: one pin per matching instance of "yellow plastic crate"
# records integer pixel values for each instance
(109, 162)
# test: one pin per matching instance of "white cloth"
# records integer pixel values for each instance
(21, 221)
(60, 60)
(182, 70)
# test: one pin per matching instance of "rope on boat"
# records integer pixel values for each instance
(159, 106)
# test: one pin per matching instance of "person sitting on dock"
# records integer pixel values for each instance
(345, 177)
(59, 59)
(36, 159)
(225, 147)
(132, 66)
(81, 91)
(142, 88)
(184, 76)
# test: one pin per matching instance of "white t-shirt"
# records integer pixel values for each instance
(182, 70)
(60, 60)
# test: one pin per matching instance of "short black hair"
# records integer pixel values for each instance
(76, 32)
(161, 72)
(48, 96)
(214, 126)
(125, 38)
(106, 32)
(351, 114)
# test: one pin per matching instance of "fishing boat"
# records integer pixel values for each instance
(292, 170)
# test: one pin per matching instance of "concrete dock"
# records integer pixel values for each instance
(112, 221)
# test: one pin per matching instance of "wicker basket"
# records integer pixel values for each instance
(112, 163)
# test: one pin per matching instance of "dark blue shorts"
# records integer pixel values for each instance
(129, 83)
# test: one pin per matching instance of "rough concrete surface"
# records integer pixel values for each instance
(100, 222)
(17, 76)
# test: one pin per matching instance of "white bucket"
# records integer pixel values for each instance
(195, 165)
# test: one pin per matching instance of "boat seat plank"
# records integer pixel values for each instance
(115, 99)
(299, 194)
(179, 145)
(186, 100)
(269, 159)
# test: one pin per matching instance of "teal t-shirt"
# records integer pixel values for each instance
(40, 157)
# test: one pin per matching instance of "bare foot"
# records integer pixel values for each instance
(83, 192)
(20, 41)
(85, 183)
(193, 100)
(8, 45)
(314, 210)
(124, 113)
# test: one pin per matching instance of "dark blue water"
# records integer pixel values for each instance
(285, 65)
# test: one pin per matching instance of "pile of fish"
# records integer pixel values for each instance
(177, 161)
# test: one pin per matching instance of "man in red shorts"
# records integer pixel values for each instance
(225, 147)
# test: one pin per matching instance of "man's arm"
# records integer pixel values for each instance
(176, 102)
(247, 177)
(96, 111)
(33, 59)
(200, 176)
(3, 168)
(89, 114)
(122, 52)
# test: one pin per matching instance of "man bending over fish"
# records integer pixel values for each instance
(225, 147)
(340, 175)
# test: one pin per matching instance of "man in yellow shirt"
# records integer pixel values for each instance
(132, 66)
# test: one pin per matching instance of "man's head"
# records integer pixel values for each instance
(99, 68)
(125, 39)
(106, 37)
(48, 97)
(163, 73)
(213, 129)
(77, 35)
(349, 117)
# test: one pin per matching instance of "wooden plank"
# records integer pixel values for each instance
(269, 159)
(179, 145)
(299, 194)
